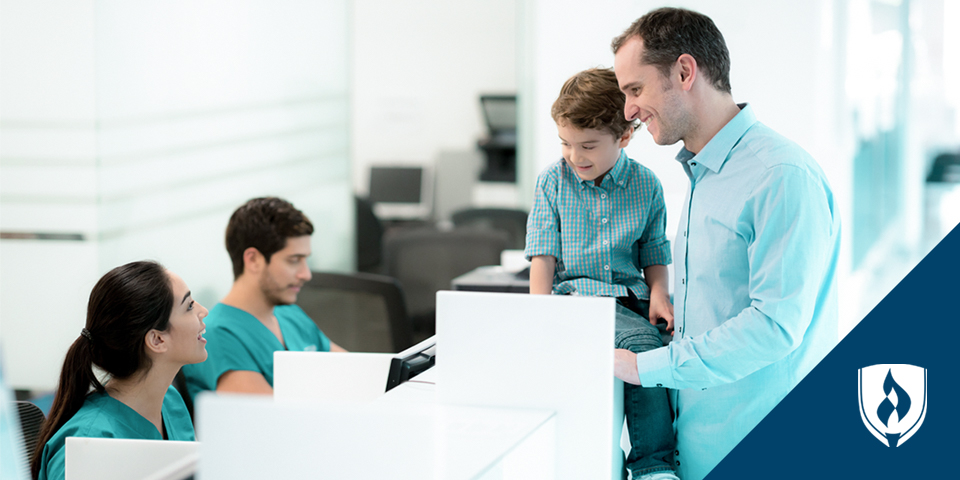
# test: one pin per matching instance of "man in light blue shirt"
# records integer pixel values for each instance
(756, 252)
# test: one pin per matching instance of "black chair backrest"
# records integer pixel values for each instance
(513, 222)
(31, 419)
(361, 312)
(180, 383)
(425, 261)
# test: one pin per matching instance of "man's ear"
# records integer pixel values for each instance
(253, 260)
(686, 71)
(155, 341)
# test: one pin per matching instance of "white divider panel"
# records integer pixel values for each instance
(253, 437)
(538, 351)
(330, 376)
(123, 459)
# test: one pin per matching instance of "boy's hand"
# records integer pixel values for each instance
(660, 307)
(625, 366)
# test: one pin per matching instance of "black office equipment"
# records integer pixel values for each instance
(500, 114)
(412, 362)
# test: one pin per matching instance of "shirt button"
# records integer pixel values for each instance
(603, 195)
(606, 267)
(605, 242)
(659, 384)
(677, 453)
(604, 220)
(683, 281)
(678, 463)
(693, 163)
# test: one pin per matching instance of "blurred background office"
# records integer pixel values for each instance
(131, 129)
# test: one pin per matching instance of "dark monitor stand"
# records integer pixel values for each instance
(412, 362)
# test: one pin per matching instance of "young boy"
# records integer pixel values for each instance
(598, 219)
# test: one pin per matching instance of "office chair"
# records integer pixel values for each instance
(31, 419)
(425, 261)
(513, 222)
(180, 383)
(361, 312)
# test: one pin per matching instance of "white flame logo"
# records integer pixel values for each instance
(890, 413)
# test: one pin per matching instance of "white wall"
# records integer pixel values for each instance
(790, 61)
(784, 58)
(786, 76)
(142, 126)
(418, 69)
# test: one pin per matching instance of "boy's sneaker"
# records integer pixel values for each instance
(659, 476)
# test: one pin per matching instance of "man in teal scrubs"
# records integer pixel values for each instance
(102, 416)
(268, 241)
(756, 252)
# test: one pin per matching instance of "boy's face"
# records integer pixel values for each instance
(591, 153)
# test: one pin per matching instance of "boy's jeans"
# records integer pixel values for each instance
(649, 417)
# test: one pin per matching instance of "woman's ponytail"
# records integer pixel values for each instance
(76, 379)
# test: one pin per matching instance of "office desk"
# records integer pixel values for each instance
(492, 278)
(382, 439)
(494, 407)
(495, 278)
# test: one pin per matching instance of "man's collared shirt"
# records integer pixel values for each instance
(601, 236)
(755, 287)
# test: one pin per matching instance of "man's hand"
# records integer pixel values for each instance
(625, 366)
(660, 307)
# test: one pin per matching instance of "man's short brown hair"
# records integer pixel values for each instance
(592, 99)
(668, 33)
(265, 224)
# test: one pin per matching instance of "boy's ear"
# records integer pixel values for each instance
(625, 138)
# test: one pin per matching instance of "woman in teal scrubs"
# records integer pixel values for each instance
(142, 326)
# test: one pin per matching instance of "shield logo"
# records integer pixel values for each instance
(893, 401)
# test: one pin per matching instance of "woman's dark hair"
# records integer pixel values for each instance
(124, 306)
(668, 33)
(265, 224)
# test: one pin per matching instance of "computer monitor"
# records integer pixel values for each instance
(412, 362)
(401, 192)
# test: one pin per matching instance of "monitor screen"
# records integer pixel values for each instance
(395, 184)
(400, 192)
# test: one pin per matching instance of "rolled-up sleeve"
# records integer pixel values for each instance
(654, 248)
(543, 223)
(787, 225)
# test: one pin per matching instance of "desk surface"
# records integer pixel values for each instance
(496, 278)
(492, 278)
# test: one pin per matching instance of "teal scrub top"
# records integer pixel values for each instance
(236, 340)
(102, 416)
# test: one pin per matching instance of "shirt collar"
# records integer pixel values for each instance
(617, 174)
(716, 151)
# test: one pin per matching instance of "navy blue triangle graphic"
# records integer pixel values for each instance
(817, 432)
